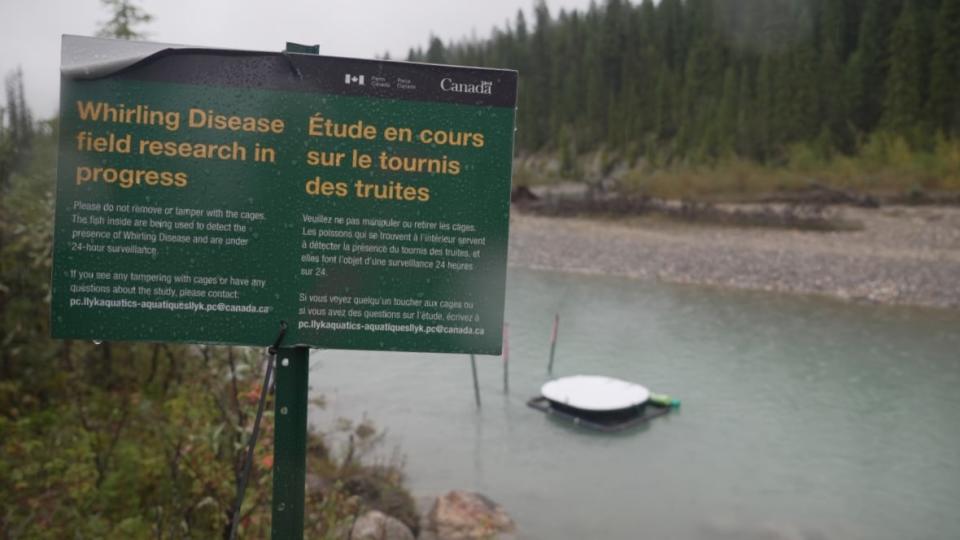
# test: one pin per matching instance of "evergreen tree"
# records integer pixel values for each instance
(670, 22)
(726, 124)
(904, 88)
(871, 62)
(16, 128)
(666, 98)
(747, 135)
(945, 69)
(804, 106)
(540, 94)
(436, 53)
(768, 125)
(832, 88)
(125, 17)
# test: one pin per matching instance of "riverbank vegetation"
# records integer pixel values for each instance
(691, 98)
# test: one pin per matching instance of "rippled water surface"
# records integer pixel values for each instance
(801, 418)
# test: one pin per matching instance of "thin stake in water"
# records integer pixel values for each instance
(476, 385)
(553, 342)
(506, 358)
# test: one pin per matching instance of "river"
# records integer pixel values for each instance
(802, 417)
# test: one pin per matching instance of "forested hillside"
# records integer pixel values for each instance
(699, 80)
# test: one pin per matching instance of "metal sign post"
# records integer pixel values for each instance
(290, 442)
(290, 425)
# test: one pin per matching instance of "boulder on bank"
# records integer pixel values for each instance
(522, 195)
(375, 525)
(461, 515)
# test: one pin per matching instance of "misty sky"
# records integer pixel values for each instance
(30, 30)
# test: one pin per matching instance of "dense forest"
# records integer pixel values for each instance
(699, 80)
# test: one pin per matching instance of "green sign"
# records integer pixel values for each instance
(205, 195)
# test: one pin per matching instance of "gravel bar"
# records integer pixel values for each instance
(903, 255)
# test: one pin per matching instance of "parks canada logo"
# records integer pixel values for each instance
(482, 87)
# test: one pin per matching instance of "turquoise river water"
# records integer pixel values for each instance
(802, 418)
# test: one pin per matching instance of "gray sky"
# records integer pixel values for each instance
(30, 29)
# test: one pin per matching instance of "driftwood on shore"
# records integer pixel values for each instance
(819, 194)
(793, 215)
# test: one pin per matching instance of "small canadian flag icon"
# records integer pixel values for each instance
(353, 79)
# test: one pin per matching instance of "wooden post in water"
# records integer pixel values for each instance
(506, 359)
(476, 385)
(553, 342)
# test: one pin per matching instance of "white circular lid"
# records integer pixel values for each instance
(595, 393)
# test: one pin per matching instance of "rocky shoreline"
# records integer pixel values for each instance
(907, 255)
(456, 515)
